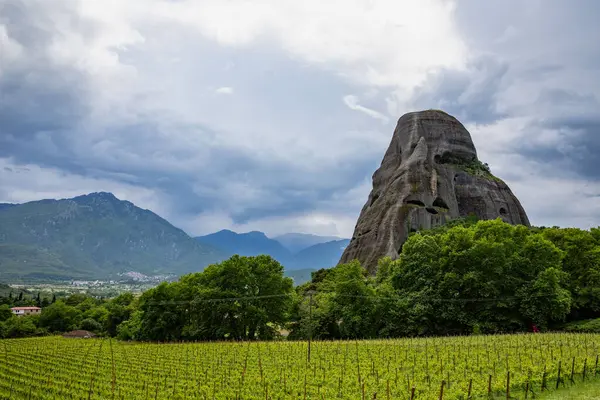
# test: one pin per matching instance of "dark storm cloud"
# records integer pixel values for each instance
(45, 120)
(577, 152)
(571, 124)
(37, 92)
(468, 94)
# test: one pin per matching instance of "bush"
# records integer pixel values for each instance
(590, 326)
(91, 325)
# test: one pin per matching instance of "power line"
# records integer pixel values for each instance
(412, 299)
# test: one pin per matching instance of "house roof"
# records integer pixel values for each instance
(25, 308)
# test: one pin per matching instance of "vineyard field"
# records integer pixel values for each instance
(513, 366)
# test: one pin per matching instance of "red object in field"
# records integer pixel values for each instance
(535, 328)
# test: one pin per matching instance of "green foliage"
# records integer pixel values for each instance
(59, 317)
(17, 327)
(471, 166)
(518, 272)
(197, 307)
(582, 265)
(589, 325)
(131, 328)
(118, 311)
(91, 325)
(5, 312)
(466, 277)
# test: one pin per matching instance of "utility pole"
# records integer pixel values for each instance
(310, 332)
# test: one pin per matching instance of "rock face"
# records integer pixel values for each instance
(429, 175)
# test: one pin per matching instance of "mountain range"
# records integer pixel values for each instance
(300, 252)
(99, 236)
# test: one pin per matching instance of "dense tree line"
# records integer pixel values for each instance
(76, 311)
(463, 278)
(467, 277)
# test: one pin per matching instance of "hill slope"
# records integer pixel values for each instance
(95, 235)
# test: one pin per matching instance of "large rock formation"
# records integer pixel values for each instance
(429, 175)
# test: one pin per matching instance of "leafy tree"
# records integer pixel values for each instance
(198, 306)
(119, 309)
(582, 265)
(490, 277)
(130, 329)
(59, 317)
(99, 314)
(91, 325)
(259, 284)
(5, 312)
(16, 327)
(162, 319)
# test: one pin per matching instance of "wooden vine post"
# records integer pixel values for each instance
(558, 376)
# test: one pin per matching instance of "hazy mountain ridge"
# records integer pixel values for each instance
(296, 242)
(323, 254)
(246, 244)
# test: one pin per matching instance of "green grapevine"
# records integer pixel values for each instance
(425, 368)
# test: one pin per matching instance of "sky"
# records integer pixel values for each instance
(272, 115)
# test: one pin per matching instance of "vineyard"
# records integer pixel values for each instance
(476, 367)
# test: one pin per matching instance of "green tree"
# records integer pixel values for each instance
(162, 317)
(91, 325)
(240, 298)
(582, 265)
(17, 327)
(481, 278)
(130, 329)
(5, 312)
(59, 317)
(119, 309)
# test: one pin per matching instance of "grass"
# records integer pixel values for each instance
(582, 391)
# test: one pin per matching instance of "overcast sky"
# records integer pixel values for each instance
(273, 115)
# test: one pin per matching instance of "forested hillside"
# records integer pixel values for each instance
(93, 236)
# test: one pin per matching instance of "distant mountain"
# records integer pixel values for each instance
(94, 236)
(300, 276)
(320, 255)
(4, 206)
(296, 242)
(246, 244)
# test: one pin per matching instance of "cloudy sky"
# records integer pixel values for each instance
(273, 114)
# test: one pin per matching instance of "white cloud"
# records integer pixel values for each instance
(28, 182)
(317, 223)
(384, 43)
(352, 102)
(224, 90)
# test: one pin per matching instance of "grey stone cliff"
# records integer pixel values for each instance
(429, 175)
